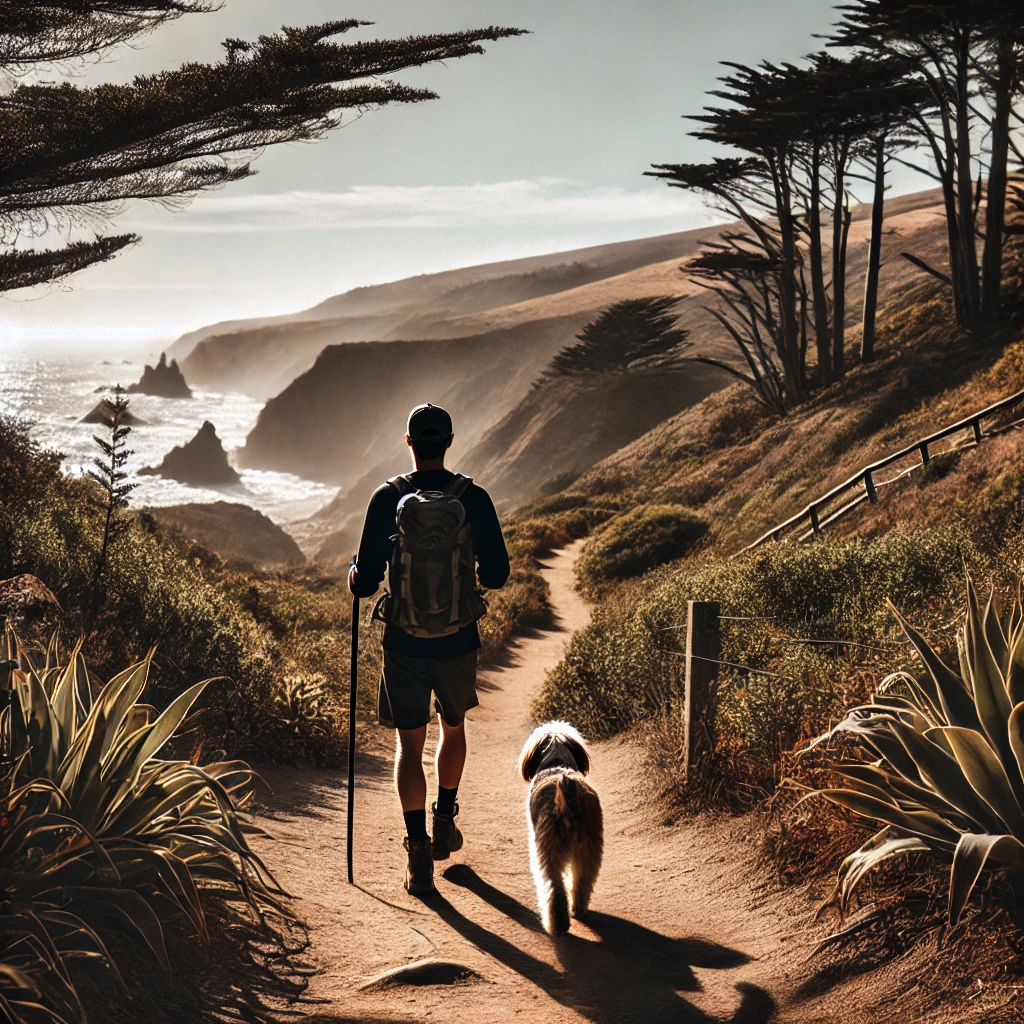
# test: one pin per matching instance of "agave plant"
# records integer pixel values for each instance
(57, 893)
(167, 829)
(945, 766)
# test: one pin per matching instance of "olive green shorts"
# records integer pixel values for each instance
(403, 699)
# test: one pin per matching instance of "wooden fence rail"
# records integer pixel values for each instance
(863, 485)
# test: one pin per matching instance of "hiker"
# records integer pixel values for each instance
(427, 529)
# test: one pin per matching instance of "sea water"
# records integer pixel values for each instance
(52, 387)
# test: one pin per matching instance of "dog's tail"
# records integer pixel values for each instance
(573, 804)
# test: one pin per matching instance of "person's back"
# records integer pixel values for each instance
(430, 612)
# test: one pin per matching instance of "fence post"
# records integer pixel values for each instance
(703, 650)
(869, 486)
(977, 431)
(813, 513)
(925, 456)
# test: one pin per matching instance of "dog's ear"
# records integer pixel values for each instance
(579, 753)
(530, 758)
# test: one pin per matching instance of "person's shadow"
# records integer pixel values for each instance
(632, 973)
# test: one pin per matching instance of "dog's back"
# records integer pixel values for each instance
(566, 826)
(568, 831)
(565, 807)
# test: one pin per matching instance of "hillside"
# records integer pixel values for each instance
(236, 532)
(263, 355)
(566, 425)
(745, 470)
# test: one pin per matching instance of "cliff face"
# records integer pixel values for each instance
(165, 380)
(202, 462)
(236, 532)
(568, 424)
(261, 357)
(345, 418)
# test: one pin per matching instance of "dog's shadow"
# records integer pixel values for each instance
(632, 973)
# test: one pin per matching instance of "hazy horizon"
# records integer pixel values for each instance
(538, 146)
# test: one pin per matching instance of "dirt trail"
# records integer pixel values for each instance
(683, 928)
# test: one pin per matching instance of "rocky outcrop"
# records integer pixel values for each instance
(202, 462)
(102, 412)
(236, 532)
(164, 380)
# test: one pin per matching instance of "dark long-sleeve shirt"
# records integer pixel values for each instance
(375, 548)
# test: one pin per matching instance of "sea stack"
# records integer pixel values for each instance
(103, 412)
(165, 380)
(200, 463)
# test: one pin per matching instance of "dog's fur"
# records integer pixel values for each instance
(563, 813)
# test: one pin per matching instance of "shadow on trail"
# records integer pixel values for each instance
(283, 793)
(632, 973)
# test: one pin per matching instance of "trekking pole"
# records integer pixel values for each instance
(353, 679)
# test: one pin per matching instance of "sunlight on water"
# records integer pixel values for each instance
(53, 391)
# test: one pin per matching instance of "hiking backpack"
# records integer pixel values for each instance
(431, 589)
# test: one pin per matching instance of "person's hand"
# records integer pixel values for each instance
(352, 579)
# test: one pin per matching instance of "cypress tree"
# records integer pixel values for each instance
(71, 153)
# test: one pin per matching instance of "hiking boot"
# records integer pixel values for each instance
(419, 875)
(447, 837)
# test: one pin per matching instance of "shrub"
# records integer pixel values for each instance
(806, 623)
(307, 723)
(638, 540)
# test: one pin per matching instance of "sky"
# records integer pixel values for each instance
(537, 146)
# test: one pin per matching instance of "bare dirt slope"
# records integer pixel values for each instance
(685, 926)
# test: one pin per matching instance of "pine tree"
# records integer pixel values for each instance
(72, 155)
(110, 474)
(628, 336)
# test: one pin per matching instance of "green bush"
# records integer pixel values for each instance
(807, 623)
(639, 540)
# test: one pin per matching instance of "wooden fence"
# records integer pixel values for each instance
(864, 484)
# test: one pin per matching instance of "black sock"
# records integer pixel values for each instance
(416, 825)
(446, 800)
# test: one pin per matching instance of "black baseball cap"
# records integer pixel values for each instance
(429, 423)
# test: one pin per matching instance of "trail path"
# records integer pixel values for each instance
(683, 926)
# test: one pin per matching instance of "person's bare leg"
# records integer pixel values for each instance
(410, 781)
(451, 754)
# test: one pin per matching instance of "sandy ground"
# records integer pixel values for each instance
(685, 926)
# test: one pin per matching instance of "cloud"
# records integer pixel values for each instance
(547, 201)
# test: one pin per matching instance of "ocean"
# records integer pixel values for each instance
(53, 386)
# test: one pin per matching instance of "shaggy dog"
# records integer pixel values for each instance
(563, 814)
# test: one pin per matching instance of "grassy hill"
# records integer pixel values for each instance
(261, 357)
(567, 424)
(808, 632)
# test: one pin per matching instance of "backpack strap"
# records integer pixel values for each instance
(403, 485)
(458, 486)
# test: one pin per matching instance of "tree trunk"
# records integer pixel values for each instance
(839, 215)
(788, 313)
(867, 345)
(965, 187)
(818, 271)
(995, 213)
